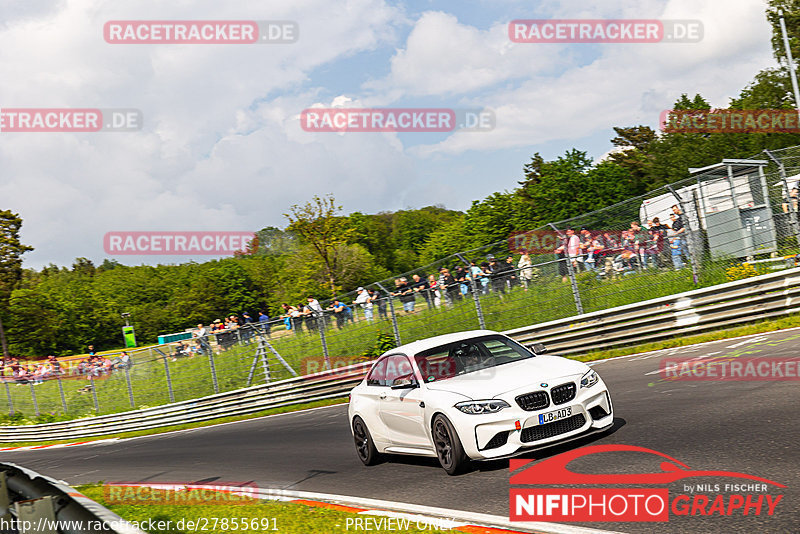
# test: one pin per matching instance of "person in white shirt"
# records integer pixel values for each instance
(363, 299)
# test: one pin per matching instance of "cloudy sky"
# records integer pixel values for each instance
(221, 147)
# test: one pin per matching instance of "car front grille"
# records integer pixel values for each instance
(563, 393)
(536, 400)
(500, 439)
(535, 433)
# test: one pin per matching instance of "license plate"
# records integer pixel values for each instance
(556, 415)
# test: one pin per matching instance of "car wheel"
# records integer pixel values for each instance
(365, 448)
(448, 447)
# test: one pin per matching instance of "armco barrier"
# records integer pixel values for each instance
(712, 308)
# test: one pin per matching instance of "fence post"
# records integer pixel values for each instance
(61, 392)
(130, 388)
(169, 378)
(321, 326)
(33, 396)
(690, 235)
(475, 297)
(10, 402)
(576, 294)
(391, 312)
(213, 371)
(264, 363)
(94, 395)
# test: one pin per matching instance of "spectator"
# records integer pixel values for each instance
(406, 294)
(451, 286)
(200, 335)
(675, 246)
(679, 226)
(479, 277)
(512, 278)
(663, 250)
(56, 365)
(421, 287)
(460, 274)
(364, 300)
(433, 287)
(380, 301)
(263, 322)
(287, 315)
(125, 361)
(498, 275)
(793, 195)
(340, 310)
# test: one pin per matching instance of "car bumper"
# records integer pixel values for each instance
(497, 436)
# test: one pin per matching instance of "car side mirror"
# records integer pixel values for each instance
(538, 348)
(404, 383)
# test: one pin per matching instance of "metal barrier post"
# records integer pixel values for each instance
(10, 402)
(475, 298)
(130, 388)
(94, 395)
(61, 392)
(33, 396)
(576, 294)
(391, 312)
(213, 371)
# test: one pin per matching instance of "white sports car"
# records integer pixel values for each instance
(473, 395)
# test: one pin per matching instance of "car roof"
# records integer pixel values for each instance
(424, 344)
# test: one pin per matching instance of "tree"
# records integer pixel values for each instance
(791, 14)
(317, 223)
(11, 251)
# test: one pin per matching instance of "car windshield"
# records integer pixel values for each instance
(468, 356)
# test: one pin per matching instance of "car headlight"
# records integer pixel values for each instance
(482, 406)
(589, 379)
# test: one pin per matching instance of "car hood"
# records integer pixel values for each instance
(495, 381)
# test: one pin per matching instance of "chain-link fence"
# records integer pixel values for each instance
(730, 220)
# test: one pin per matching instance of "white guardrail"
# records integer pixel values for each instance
(712, 308)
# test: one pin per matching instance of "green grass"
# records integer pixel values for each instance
(266, 516)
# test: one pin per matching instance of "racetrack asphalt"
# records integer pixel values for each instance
(743, 426)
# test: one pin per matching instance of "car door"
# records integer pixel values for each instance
(402, 409)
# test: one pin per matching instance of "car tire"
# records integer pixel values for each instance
(365, 447)
(448, 446)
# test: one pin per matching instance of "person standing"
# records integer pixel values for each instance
(263, 322)
(363, 299)
(525, 266)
